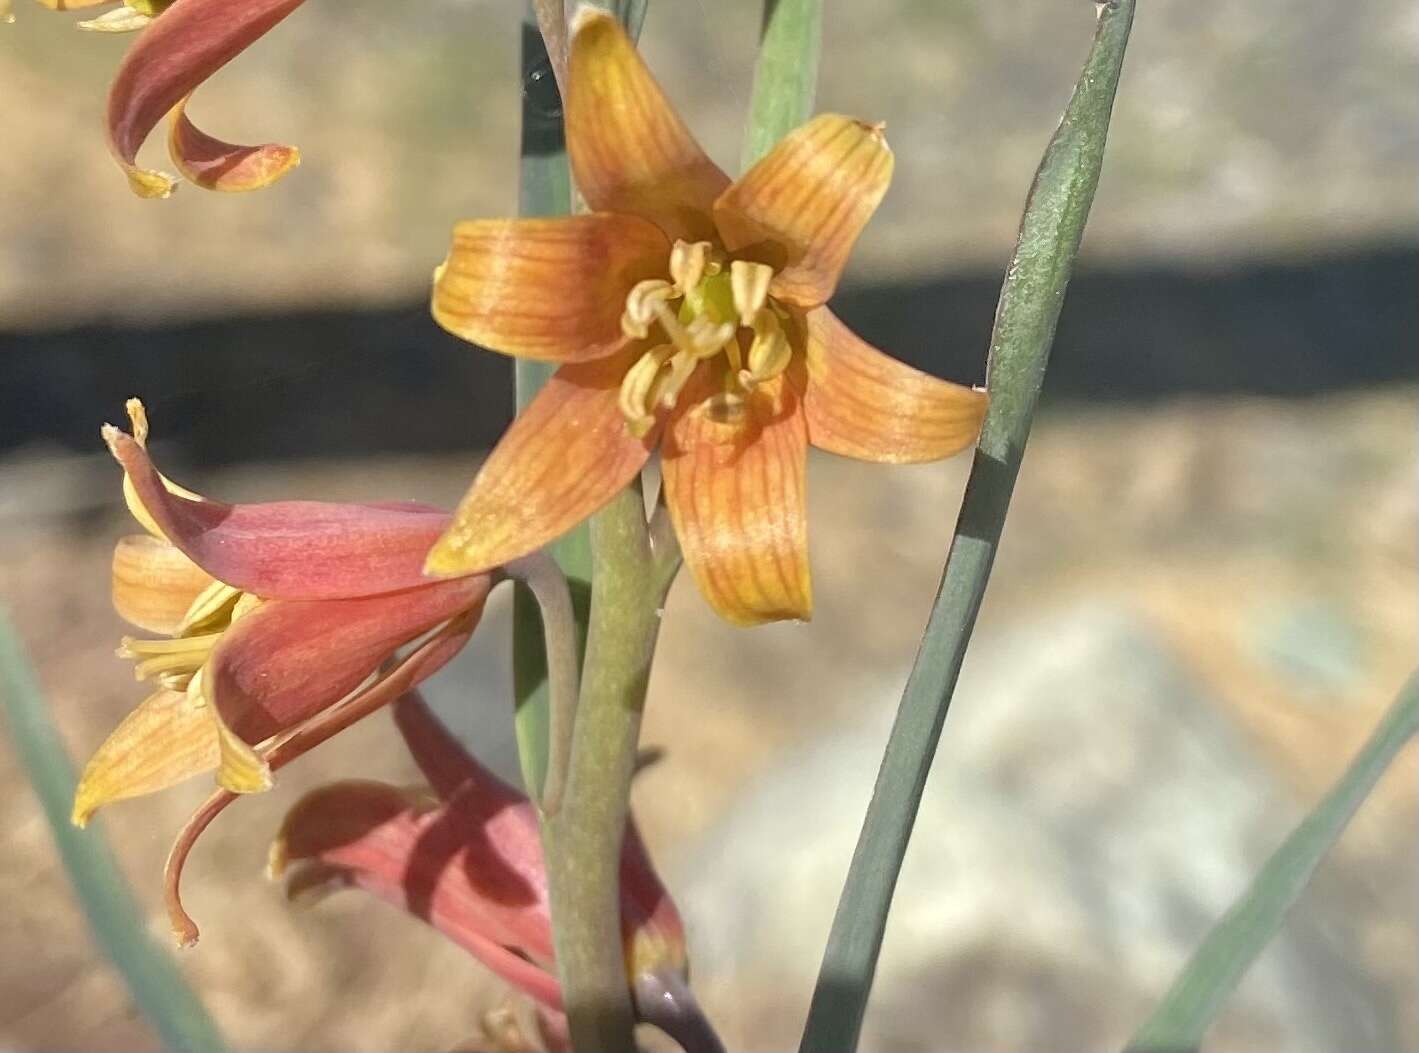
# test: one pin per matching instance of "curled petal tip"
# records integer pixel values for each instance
(147, 183)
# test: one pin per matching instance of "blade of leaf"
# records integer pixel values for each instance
(785, 74)
(1228, 950)
(545, 189)
(158, 988)
(1030, 302)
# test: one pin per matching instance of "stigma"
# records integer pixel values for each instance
(713, 311)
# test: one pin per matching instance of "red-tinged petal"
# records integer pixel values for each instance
(563, 458)
(735, 490)
(227, 167)
(548, 289)
(629, 150)
(441, 758)
(287, 549)
(154, 583)
(801, 208)
(865, 404)
(189, 42)
(421, 663)
(168, 738)
(70, 5)
(289, 659)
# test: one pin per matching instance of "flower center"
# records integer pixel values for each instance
(711, 307)
(173, 662)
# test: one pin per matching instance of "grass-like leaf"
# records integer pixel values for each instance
(1030, 302)
(1228, 950)
(158, 989)
(785, 74)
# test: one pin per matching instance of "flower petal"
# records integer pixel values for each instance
(154, 584)
(548, 289)
(629, 150)
(288, 549)
(802, 207)
(169, 737)
(865, 404)
(289, 659)
(182, 48)
(735, 490)
(215, 165)
(476, 878)
(441, 758)
(563, 458)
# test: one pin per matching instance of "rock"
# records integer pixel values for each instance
(1090, 813)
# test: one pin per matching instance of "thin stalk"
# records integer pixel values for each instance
(545, 190)
(785, 75)
(1030, 302)
(583, 840)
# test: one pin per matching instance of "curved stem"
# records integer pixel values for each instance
(548, 585)
(583, 840)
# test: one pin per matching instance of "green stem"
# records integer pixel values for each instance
(785, 75)
(583, 840)
(1030, 301)
(545, 190)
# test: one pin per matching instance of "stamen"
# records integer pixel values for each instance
(634, 398)
(689, 261)
(642, 303)
(701, 338)
(770, 352)
(750, 284)
(168, 659)
(213, 606)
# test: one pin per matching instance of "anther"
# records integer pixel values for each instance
(750, 284)
(689, 261)
(641, 306)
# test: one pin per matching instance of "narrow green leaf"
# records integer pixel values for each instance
(545, 189)
(1030, 301)
(1228, 950)
(158, 989)
(785, 76)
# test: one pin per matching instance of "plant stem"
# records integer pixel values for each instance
(583, 840)
(545, 190)
(1030, 302)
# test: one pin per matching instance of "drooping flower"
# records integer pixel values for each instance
(281, 622)
(181, 44)
(466, 857)
(687, 312)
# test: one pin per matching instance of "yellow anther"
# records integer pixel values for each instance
(635, 395)
(119, 20)
(642, 305)
(770, 352)
(167, 658)
(689, 263)
(212, 607)
(138, 418)
(701, 338)
(750, 283)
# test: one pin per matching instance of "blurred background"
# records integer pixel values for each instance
(1204, 598)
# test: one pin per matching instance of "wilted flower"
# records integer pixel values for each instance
(466, 857)
(688, 312)
(181, 44)
(274, 616)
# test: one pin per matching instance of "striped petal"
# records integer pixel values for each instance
(169, 737)
(629, 150)
(154, 584)
(548, 289)
(190, 41)
(865, 404)
(287, 549)
(563, 458)
(215, 165)
(801, 208)
(735, 490)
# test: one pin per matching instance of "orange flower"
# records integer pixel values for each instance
(284, 622)
(182, 43)
(686, 312)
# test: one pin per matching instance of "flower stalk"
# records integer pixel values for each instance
(583, 839)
